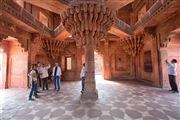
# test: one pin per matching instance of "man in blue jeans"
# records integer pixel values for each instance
(56, 76)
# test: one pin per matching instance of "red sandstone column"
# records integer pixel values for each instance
(90, 84)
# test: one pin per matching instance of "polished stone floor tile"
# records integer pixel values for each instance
(123, 100)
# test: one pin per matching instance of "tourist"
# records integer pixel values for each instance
(172, 73)
(56, 76)
(38, 70)
(43, 70)
(33, 79)
(82, 77)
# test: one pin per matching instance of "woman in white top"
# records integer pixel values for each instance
(172, 74)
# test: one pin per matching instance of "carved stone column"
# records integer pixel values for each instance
(88, 21)
(106, 60)
(90, 84)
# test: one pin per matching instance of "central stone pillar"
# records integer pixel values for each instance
(88, 21)
(90, 84)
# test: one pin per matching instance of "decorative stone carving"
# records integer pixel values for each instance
(88, 21)
(157, 9)
(150, 31)
(53, 48)
(132, 45)
(12, 8)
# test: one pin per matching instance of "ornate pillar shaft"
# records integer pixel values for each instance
(90, 85)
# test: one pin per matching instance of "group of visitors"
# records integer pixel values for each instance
(39, 76)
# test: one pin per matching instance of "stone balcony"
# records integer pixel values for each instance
(17, 13)
(158, 9)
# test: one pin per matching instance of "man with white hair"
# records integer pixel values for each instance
(56, 76)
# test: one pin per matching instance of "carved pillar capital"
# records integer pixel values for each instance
(132, 45)
(150, 31)
(35, 37)
(53, 48)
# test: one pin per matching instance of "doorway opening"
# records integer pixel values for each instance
(98, 66)
(172, 51)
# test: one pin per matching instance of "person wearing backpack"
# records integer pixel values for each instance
(33, 79)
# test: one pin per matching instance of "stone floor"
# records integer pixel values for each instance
(124, 100)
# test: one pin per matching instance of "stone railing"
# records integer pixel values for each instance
(12, 8)
(156, 9)
(123, 26)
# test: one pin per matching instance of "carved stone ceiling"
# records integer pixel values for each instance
(52, 5)
(117, 4)
(58, 5)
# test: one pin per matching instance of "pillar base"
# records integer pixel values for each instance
(89, 95)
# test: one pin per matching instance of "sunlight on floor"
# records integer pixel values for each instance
(100, 80)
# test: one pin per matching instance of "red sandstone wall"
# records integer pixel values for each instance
(16, 61)
(76, 56)
(120, 63)
(153, 76)
(125, 14)
(18, 66)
